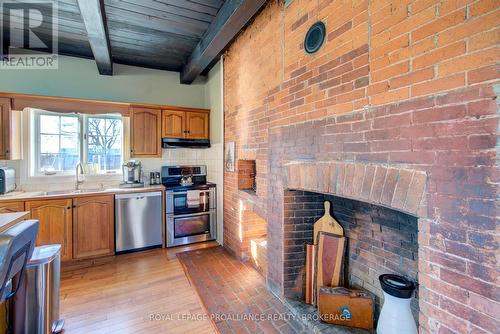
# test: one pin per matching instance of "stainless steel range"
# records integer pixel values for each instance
(191, 205)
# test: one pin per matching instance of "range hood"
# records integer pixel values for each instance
(193, 143)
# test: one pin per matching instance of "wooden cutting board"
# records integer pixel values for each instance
(310, 267)
(327, 224)
(329, 260)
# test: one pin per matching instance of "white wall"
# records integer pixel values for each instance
(79, 78)
(213, 156)
(214, 96)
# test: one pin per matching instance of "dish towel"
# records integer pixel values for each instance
(193, 198)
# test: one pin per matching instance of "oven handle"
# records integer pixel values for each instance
(192, 214)
(185, 192)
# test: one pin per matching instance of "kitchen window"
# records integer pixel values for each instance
(62, 140)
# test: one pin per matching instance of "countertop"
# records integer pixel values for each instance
(7, 220)
(29, 195)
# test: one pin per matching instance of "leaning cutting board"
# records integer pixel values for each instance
(327, 224)
(310, 267)
(329, 260)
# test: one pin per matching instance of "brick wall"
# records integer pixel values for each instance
(301, 210)
(246, 175)
(407, 84)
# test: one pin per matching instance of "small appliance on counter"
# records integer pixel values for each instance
(7, 180)
(132, 174)
(191, 205)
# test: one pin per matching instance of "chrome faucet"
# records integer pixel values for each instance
(80, 176)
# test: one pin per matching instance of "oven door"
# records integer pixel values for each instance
(190, 228)
(190, 202)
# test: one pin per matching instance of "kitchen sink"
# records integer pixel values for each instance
(72, 192)
(81, 191)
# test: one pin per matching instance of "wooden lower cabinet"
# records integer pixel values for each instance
(93, 227)
(83, 226)
(10, 207)
(56, 222)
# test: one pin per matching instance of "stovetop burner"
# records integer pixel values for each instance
(171, 177)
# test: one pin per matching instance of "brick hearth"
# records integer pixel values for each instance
(400, 106)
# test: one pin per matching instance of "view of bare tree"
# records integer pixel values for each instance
(103, 134)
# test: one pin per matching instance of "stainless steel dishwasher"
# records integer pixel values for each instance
(138, 221)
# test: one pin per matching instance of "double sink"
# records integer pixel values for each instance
(72, 192)
(68, 192)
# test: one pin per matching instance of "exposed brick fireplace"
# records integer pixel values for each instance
(396, 113)
(377, 210)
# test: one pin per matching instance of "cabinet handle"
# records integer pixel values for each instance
(69, 208)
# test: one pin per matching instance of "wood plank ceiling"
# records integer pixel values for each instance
(158, 34)
(185, 36)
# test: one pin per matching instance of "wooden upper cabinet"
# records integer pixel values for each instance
(4, 128)
(56, 222)
(145, 132)
(185, 124)
(10, 132)
(197, 125)
(93, 227)
(10, 207)
(173, 124)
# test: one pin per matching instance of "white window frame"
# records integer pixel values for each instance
(85, 153)
(37, 142)
(83, 141)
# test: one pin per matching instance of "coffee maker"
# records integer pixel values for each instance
(132, 174)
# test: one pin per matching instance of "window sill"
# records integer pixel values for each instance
(72, 177)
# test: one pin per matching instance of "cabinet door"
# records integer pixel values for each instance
(93, 227)
(9, 207)
(145, 138)
(197, 125)
(56, 221)
(4, 127)
(173, 124)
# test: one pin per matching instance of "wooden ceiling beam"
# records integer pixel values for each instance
(94, 18)
(231, 18)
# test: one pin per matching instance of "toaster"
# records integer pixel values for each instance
(7, 179)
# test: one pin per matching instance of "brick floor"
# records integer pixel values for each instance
(228, 287)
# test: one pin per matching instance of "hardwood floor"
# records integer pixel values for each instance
(120, 295)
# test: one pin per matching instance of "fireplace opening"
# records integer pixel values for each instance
(246, 176)
(379, 241)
